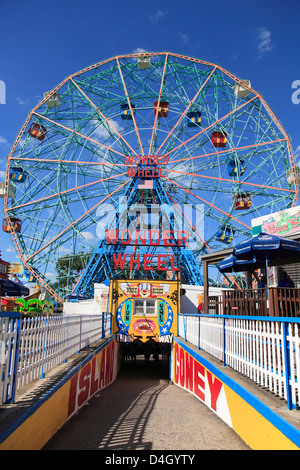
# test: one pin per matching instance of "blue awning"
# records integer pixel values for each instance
(267, 247)
(13, 289)
(231, 264)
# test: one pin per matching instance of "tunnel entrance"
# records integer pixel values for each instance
(150, 359)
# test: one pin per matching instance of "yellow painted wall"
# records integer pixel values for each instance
(36, 431)
(253, 428)
(251, 419)
(45, 420)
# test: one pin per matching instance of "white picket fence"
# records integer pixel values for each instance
(8, 360)
(31, 347)
(267, 350)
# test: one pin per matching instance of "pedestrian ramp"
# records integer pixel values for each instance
(252, 413)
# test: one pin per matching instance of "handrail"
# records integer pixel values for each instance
(273, 301)
(263, 348)
(244, 317)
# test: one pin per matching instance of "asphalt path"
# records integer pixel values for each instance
(142, 410)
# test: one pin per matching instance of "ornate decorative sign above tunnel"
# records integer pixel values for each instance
(145, 310)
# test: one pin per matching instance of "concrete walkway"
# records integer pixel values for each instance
(142, 410)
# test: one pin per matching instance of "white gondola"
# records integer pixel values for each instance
(11, 190)
(144, 62)
(290, 176)
(53, 101)
(240, 91)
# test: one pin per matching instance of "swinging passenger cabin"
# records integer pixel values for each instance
(16, 225)
(161, 108)
(218, 139)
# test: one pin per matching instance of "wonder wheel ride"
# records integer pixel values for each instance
(210, 142)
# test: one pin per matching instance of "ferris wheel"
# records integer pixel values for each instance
(217, 144)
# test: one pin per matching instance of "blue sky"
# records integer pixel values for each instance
(41, 43)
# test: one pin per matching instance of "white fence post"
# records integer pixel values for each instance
(9, 338)
(287, 367)
(29, 347)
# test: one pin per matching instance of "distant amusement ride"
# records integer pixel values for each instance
(138, 165)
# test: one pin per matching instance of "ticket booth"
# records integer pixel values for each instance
(145, 309)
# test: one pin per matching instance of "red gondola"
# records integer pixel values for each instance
(242, 201)
(219, 139)
(161, 110)
(37, 132)
(16, 223)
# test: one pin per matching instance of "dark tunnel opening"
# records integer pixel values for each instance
(150, 359)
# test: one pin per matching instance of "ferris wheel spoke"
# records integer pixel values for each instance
(79, 219)
(69, 162)
(186, 110)
(228, 151)
(227, 180)
(208, 203)
(45, 181)
(108, 121)
(131, 109)
(154, 128)
(68, 191)
(72, 131)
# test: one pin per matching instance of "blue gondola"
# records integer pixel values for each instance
(193, 118)
(225, 235)
(17, 174)
(126, 111)
(235, 168)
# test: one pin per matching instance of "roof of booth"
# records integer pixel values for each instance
(217, 256)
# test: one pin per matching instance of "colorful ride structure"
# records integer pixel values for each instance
(169, 133)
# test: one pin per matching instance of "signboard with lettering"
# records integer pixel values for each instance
(283, 223)
(145, 309)
(95, 375)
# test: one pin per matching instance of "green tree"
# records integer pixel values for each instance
(68, 269)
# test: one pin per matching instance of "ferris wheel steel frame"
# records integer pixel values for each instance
(112, 128)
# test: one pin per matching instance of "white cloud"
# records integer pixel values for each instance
(138, 50)
(63, 249)
(100, 134)
(50, 275)
(21, 101)
(22, 141)
(183, 37)
(265, 44)
(88, 235)
(157, 16)
(3, 140)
